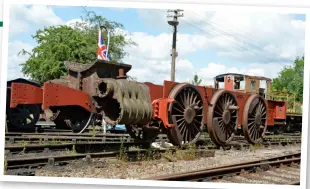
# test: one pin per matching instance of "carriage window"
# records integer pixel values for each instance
(253, 84)
(239, 83)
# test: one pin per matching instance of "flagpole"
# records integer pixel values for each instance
(108, 44)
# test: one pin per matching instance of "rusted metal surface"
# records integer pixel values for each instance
(86, 77)
(254, 120)
(156, 91)
(243, 75)
(126, 102)
(106, 88)
(59, 95)
(25, 94)
(241, 99)
(205, 92)
(187, 110)
(102, 91)
(222, 117)
(280, 110)
(23, 104)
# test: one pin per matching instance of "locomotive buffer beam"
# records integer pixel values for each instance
(160, 111)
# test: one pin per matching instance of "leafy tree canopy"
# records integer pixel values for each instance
(290, 79)
(196, 80)
(57, 44)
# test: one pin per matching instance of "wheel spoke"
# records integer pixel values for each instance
(222, 132)
(177, 109)
(188, 110)
(254, 123)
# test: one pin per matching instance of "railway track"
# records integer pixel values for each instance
(81, 147)
(37, 143)
(86, 149)
(34, 162)
(69, 137)
(13, 137)
(27, 165)
(84, 144)
(229, 172)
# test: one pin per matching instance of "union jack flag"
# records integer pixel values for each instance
(102, 49)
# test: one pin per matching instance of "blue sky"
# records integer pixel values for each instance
(199, 51)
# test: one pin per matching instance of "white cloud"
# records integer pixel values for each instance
(245, 36)
(274, 38)
(151, 60)
(22, 18)
(14, 60)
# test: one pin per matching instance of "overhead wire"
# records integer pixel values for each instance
(210, 22)
(214, 28)
(230, 45)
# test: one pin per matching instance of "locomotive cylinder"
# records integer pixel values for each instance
(124, 102)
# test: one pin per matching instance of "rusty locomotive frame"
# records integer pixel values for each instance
(101, 91)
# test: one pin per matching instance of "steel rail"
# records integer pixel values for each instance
(37, 138)
(102, 144)
(79, 147)
(18, 163)
(12, 137)
(200, 175)
(64, 134)
(70, 133)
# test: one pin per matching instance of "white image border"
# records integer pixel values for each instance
(156, 5)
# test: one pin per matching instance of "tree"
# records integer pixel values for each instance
(196, 80)
(290, 79)
(57, 44)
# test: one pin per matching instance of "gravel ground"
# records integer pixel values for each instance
(112, 168)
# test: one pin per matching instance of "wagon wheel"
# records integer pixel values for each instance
(254, 119)
(142, 133)
(61, 124)
(222, 117)
(187, 113)
(24, 116)
(79, 125)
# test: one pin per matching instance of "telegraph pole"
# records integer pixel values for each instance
(174, 53)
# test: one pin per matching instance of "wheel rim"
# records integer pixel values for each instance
(81, 124)
(187, 111)
(61, 124)
(254, 121)
(24, 116)
(222, 117)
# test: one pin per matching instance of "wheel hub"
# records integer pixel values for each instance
(189, 115)
(258, 119)
(226, 117)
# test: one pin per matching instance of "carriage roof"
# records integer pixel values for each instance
(221, 76)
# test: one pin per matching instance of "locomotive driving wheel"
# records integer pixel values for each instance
(24, 116)
(254, 119)
(187, 111)
(222, 120)
(79, 125)
(142, 133)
